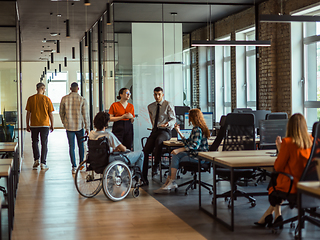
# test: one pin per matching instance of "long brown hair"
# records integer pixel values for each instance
(297, 129)
(196, 117)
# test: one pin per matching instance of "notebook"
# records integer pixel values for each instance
(185, 132)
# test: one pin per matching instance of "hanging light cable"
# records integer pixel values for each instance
(86, 33)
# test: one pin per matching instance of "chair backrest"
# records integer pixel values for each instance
(269, 130)
(240, 132)
(98, 155)
(310, 171)
(221, 134)
(180, 111)
(242, 110)
(259, 115)
(277, 115)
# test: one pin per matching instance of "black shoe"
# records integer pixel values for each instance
(267, 221)
(145, 183)
(278, 220)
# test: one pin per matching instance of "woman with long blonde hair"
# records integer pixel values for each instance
(294, 151)
(195, 143)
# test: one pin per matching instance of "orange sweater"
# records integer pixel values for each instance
(291, 160)
(118, 110)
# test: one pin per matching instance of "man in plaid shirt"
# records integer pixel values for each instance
(75, 118)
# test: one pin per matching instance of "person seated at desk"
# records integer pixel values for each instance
(100, 122)
(196, 142)
(294, 151)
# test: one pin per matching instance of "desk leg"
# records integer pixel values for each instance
(214, 200)
(299, 215)
(199, 174)
(232, 199)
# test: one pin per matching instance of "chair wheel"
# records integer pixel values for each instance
(186, 193)
(210, 192)
(226, 199)
(253, 204)
(229, 203)
(135, 193)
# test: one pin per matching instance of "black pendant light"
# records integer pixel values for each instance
(67, 28)
(73, 52)
(108, 14)
(48, 65)
(58, 46)
(86, 39)
(55, 72)
(52, 61)
(59, 67)
(65, 62)
(45, 70)
(87, 2)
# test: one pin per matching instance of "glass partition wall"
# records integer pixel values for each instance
(9, 73)
(141, 55)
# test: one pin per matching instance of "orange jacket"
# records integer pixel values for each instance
(117, 110)
(291, 160)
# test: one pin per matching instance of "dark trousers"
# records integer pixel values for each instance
(154, 141)
(123, 130)
(44, 132)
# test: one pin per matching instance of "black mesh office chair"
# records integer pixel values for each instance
(309, 204)
(240, 135)
(277, 115)
(206, 166)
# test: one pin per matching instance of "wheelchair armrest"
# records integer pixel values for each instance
(287, 175)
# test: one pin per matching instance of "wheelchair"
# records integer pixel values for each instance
(111, 172)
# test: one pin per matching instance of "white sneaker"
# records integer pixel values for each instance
(44, 166)
(167, 188)
(36, 164)
(74, 169)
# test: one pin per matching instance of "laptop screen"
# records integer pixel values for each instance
(186, 133)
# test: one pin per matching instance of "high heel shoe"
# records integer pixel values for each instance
(267, 221)
(278, 220)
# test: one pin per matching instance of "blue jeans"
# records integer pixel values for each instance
(71, 136)
(181, 157)
(136, 158)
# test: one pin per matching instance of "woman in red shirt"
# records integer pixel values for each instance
(122, 114)
(294, 151)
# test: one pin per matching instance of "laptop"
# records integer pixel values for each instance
(185, 132)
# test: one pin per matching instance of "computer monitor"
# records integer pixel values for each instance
(185, 132)
(10, 116)
(259, 115)
(270, 129)
(208, 117)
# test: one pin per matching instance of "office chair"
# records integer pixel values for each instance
(309, 204)
(206, 166)
(277, 115)
(240, 135)
(242, 110)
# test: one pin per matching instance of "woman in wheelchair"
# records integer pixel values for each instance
(100, 122)
(197, 142)
(294, 151)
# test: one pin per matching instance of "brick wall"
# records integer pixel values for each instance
(274, 62)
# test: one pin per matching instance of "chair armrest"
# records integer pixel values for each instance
(275, 174)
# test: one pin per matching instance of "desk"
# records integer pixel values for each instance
(173, 142)
(312, 189)
(12, 147)
(233, 160)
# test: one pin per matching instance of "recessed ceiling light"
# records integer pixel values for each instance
(59, 15)
(53, 34)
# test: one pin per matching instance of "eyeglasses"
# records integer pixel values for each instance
(128, 93)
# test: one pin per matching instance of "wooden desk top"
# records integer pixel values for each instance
(8, 146)
(6, 161)
(258, 161)
(4, 170)
(312, 187)
(245, 153)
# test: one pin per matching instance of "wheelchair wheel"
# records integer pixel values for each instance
(116, 180)
(88, 183)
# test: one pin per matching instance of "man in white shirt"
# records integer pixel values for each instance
(75, 118)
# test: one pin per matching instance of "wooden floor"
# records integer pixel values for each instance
(48, 206)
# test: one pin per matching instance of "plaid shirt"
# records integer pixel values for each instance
(196, 142)
(74, 112)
